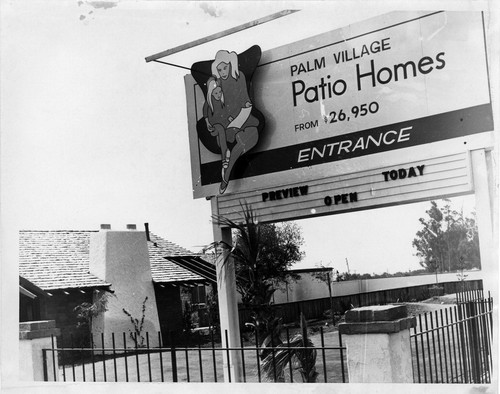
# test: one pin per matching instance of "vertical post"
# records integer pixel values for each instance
(486, 206)
(173, 357)
(330, 295)
(228, 302)
(485, 217)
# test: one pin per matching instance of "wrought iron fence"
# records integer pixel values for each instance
(201, 362)
(453, 345)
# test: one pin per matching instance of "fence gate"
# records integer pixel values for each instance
(453, 345)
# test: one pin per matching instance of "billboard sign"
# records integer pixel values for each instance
(399, 81)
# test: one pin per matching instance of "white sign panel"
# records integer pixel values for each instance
(399, 81)
(403, 182)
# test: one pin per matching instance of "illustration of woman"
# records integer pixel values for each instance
(238, 106)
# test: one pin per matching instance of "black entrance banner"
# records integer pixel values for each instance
(453, 124)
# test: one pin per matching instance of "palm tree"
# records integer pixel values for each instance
(299, 351)
(262, 253)
(255, 288)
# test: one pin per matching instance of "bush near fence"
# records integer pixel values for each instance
(315, 309)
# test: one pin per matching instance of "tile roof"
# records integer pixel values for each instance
(56, 259)
(164, 270)
(60, 260)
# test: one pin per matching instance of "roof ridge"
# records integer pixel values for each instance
(58, 231)
(170, 242)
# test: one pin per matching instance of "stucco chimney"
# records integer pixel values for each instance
(121, 258)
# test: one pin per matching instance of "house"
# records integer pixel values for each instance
(139, 274)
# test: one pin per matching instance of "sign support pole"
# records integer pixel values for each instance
(482, 171)
(228, 303)
(484, 213)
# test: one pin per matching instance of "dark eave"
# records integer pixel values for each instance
(197, 265)
(29, 289)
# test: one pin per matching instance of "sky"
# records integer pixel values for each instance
(93, 134)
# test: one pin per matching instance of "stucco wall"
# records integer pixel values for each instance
(34, 337)
(379, 358)
(122, 259)
(31, 360)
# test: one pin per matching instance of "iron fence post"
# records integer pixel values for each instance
(173, 357)
(45, 371)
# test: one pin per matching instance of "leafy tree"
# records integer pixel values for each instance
(344, 276)
(448, 240)
(262, 254)
(86, 312)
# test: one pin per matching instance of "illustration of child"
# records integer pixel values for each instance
(218, 119)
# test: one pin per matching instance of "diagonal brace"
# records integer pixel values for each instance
(221, 34)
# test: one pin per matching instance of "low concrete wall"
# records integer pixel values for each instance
(377, 339)
(33, 338)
